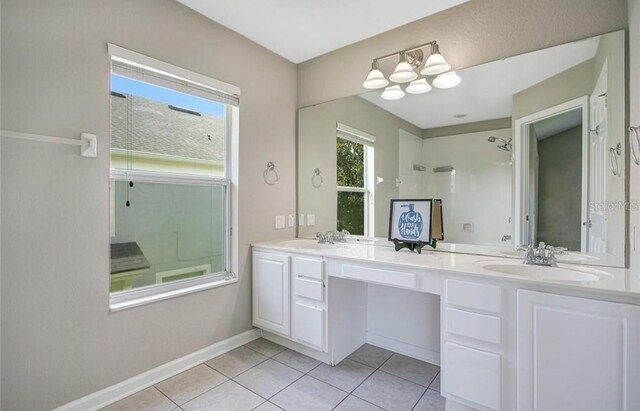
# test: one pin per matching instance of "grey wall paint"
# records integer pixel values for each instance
(634, 120)
(560, 189)
(59, 341)
(472, 33)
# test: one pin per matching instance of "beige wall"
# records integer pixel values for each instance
(317, 148)
(475, 32)
(634, 120)
(59, 341)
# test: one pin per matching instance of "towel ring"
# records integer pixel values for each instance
(271, 170)
(614, 159)
(316, 178)
(634, 143)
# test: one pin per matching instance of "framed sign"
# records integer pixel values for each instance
(410, 221)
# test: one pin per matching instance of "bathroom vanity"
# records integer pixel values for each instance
(506, 337)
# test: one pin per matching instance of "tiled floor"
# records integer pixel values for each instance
(264, 376)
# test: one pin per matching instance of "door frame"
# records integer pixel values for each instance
(521, 228)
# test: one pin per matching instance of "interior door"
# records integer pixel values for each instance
(596, 222)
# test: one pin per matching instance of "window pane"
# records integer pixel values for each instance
(351, 212)
(157, 129)
(169, 232)
(350, 162)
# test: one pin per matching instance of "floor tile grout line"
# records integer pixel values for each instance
(266, 399)
(165, 395)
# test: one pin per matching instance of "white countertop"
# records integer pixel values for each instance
(617, 281)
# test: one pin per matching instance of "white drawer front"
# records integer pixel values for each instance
(308, 267)
(308, 325)
(473, 375)
(374, 275)
(311, 289)
(478, 326)
(474, 296)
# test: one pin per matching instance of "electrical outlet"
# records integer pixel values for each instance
(301, 220)
(292, 220)
(311, 219)
(279, 222)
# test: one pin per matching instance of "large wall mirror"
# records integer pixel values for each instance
(526, 149)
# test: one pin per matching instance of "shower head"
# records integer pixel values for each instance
(505, 146)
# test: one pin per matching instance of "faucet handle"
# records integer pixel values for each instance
(524, 247)
(558, 250)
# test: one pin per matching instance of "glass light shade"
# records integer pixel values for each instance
(375, 79)
(392, 93)
(403, 73)
(447, 80)
(419, 86)
(435, 64)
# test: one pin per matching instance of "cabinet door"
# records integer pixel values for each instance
(271, 298)
(308, 325)
(577, 354)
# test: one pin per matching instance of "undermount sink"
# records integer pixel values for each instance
(312, 245)
(582, 274)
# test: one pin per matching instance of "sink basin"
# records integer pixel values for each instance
(582, 274)
(311, 245)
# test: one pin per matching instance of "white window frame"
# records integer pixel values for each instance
(144, 295)
(367, 141)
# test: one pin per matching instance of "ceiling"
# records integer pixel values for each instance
(300, 30)
(487, 90)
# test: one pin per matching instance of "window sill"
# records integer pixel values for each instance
(123, 300)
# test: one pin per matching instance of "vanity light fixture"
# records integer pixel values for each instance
(392, 93)
(375, 79)
(419, 86)
(403, 72)
(447, 80)
(436, 64)
(410, 60)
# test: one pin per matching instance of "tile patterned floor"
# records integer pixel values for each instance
(264, 376)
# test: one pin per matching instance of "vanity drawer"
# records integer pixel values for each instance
(308, 267)
(311, 289)
(308, 325)
(477, 326)
(475, 296)
(473, 375)
(374, 275)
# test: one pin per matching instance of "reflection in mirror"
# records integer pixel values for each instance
(526, 149)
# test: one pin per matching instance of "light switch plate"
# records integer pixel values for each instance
(279, 222)
(301, 220)
(311, 219)
(292, 220)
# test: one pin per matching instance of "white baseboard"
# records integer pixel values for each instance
(432, 357)
(125, 388)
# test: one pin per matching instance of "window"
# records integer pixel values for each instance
(170, 178)
(355, 175)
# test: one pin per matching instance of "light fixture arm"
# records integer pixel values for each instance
(433, 44)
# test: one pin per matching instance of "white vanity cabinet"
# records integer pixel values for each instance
(577, 354)
(309, 302)
(290, 297)
(271, 292)
(472, 343)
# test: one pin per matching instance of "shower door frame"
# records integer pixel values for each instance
(522, 228)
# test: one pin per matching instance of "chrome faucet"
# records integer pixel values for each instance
(542, 255)
(331, 236)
